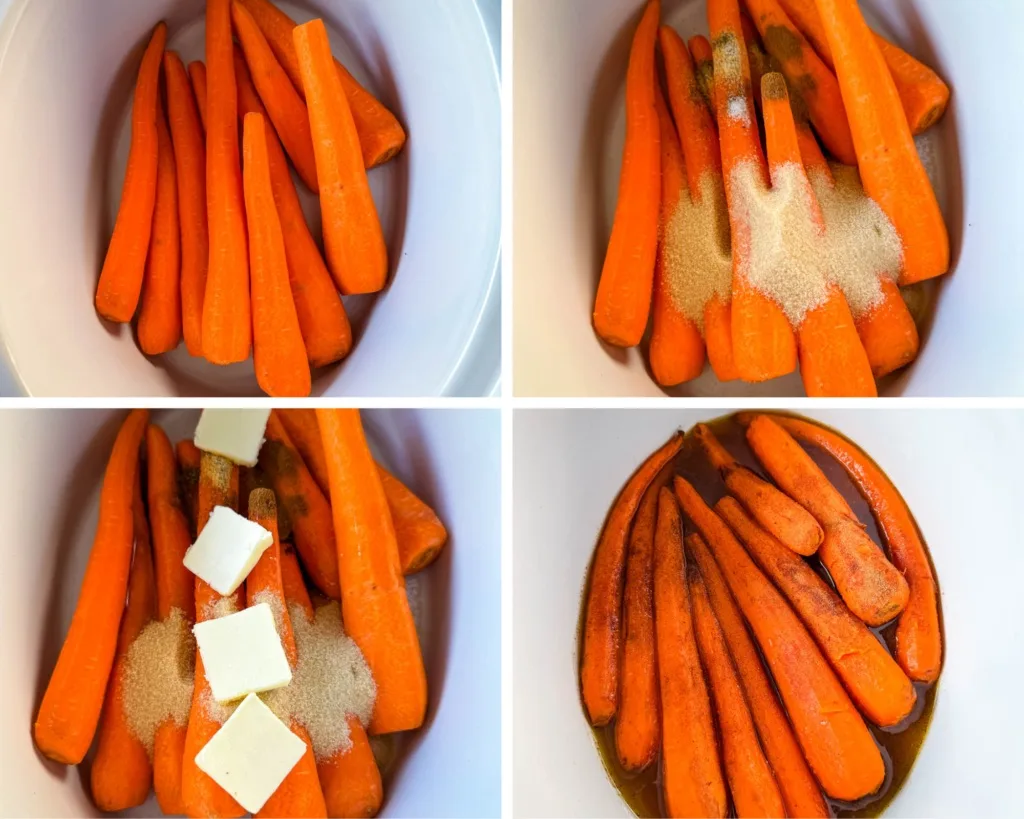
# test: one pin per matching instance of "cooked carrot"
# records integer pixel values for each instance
(602, 633)
(326, 331)
(704, 66)
(197, 73)
(373, 601)
(890, 166)
(883, 693)
(836, 742)
(265, 580)
(120, 284)
(751, 782)
(800, 791)
(353, 239)
(691, 772)
(70, 711)
(175, 587)
(188, 456)
(627, 280)
(918, 633)
(869, 584)
(227, 310)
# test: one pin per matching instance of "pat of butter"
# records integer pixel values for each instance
(242, 653)
(251, 754)
(226, 550)
(237, 434)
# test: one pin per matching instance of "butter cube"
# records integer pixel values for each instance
(242, 653)
(227, 549)
(237, 434)
(251, 754)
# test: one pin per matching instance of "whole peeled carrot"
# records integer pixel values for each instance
(188, 457)
(304, 432)
(171, 538)
(704, 66)
(691, 770)
(120, 285)
(627, 280)
(197, 73)
(602, 630)
(353, 237)
(373, 601)
(869, 584)
(70, 711)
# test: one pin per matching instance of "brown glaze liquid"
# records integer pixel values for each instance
(899, 744)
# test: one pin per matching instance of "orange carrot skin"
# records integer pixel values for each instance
(833, 361)
(718, 336)
(351, 780)
(265, 577)
(171, 538)
(70, 711)
(888, 333)
(627, 280)
(197, 73)
(602, 638)
(120, 284)
(188, 457)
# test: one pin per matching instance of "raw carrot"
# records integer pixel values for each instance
(159, 327)
(373, 601)
(188, 456)
(627, 280)
(353, 239)
(265, 583)
(751, 782)
(197, 73)
(602, 631)
(227, 311)
(120, 284)
(168, 765)
(691, 771)
(704, 66)
(295, 591)
(869, 584)
(322, 319)
(300, 794)
(304, 432)
(836, 742)
(279, 353)
(175, 587)
(890, 166)
(67, 718)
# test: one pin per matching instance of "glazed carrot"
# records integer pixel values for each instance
(188, 456)
(265, 583)
(691, 772)
(627, 280)
(380, 134)
(353, 239)
(175, 587)
(197, 73)
(70, 710)
(918, 633)
(227, 311)
(775, 511)
(751, 782)
(325, 327)
(869, 584)
(279, 353)
(890, 166)
(800, 791)
(704, 66)
(120, 284)
(284, 106)
(835, 741)
(602, 636)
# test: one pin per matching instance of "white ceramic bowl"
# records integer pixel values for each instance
(66, 76)
(958, 471)
(49, 490)
(570, 65)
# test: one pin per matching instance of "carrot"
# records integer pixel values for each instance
(322, 319)
(197, 73)
(188, 457)
(751, 782)
(691, 771)
(353, 239)
(300, 794)
(776, 512)
(265, 583)
(70, 711)
(869, 584)
(890, 167)
(836, 742)
(704, 66)
(918, 633)
(227, 311)
(120, 284)
(602, 637)
(285, 107)
(800, 791)
(373, 601)
(175, 587)
(627, 280)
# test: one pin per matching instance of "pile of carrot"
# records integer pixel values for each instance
(730, 643)
(801, 72)
(361, 530)
(211, 245)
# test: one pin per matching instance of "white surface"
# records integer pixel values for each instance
(237, 434)
(251, 754)
(226, 550)
(958, 471)
(66, 76)
(49, 490)
(570, 65)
